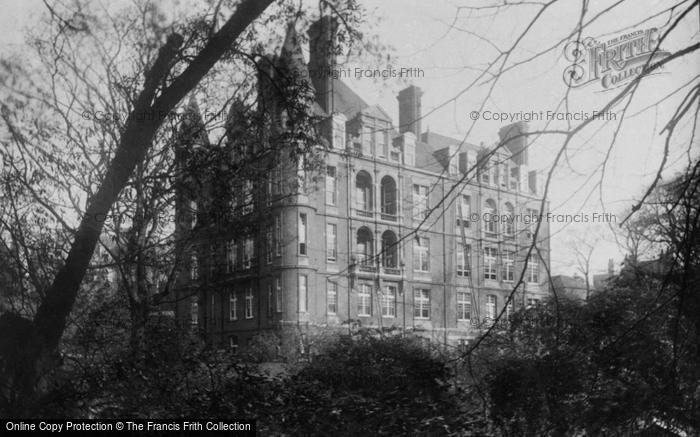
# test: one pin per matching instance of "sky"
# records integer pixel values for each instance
(452, 44)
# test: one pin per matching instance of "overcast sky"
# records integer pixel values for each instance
(452, 46)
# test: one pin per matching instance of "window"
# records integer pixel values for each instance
(363, 193)
(490, 263)
(269, 244)
(277, 179)
(421, 254)
(247, 206)
(303, 293)
(388, 301)
(233, 343)
(364, 301)
(249, 303)
(464, 211)
(382, 144)
(464, 305)
(505, 173)
(508, 266)
(212, 310)
(194, 267)
(420, 202)
(338, 134)
(532, 302)
(330, 186)
(509, 309)
(232, 306)
(278, 235)
(514, 178)
(364, 248)
(490, 217)
(268, 190)
(509, 225)
(421, 304)
(278, 296)
(231, 256)
(486, 173)
(302, 234)
(248, 252)
(533, 217)
(193, 213)
(331, 242)
(463, 259)
(533, 270)
(270, 301)
(332, 298)
(491, 307)
(388, 198)
(301, 174)
(213, 260)
(194, 311)
(389, 250)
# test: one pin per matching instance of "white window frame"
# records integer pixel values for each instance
(491, 309)
(464, 305)
(331, 185)
(232, 306)
(490, 263)
(421, 304)
(364, 301)
(331, 242)
(464, 210)
(420, 202)
(421, 254)
(303, 294)
(194, 312)
(508, 266)
(533, 270)
(303, 234)
(388, 301)
(249, 303)
(463, 265)
(332, 298)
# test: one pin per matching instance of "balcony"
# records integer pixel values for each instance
(363, 213)
(392, 271)
(389, 217)
(367, 268)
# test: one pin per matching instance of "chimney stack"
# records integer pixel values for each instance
(517, 146)
(410, 110)
(322, 60)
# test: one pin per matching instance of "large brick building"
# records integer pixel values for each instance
(392, 233)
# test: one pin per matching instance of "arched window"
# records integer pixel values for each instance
(364, 249)
(509, 224)
(490, 217)
(389, 250)
(389, 196)
(363, 192)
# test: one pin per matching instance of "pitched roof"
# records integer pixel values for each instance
(438, 142)
(346, 101)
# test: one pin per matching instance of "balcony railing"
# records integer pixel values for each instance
(392, 271)
(363, 213)
(389, 217)
(366, 268)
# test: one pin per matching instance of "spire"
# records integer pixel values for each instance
(192, 132)
(291, 59)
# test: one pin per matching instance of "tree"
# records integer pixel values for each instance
(170, 77)
(625, 361)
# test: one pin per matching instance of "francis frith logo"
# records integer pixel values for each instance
(612, 62)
